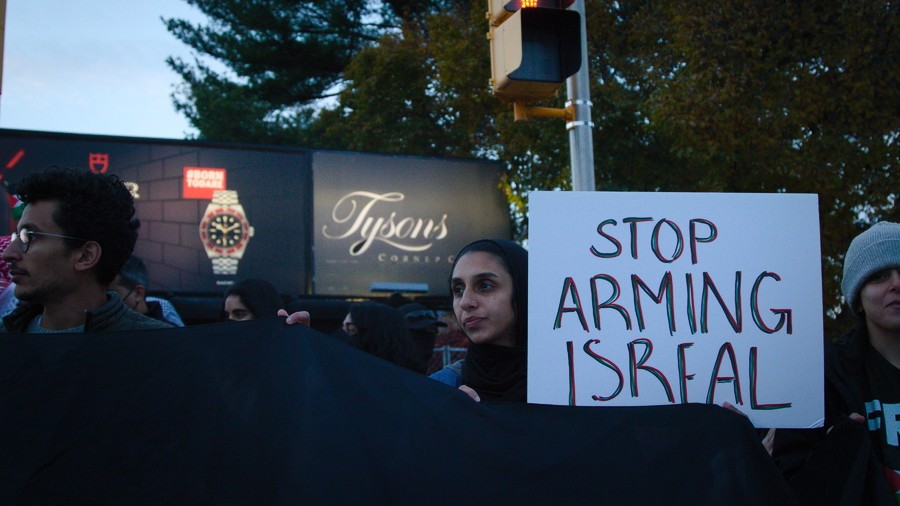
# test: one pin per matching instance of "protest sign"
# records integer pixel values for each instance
(672, 298)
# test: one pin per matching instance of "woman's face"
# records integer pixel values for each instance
(235, 310)
(349, 327)
(880, 299)
(483, 299)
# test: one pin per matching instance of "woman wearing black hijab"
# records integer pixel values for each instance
(250, 299)
(489, 285)
(379, 330)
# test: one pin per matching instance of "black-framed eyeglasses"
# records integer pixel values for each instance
(125, 299)
(24, 236)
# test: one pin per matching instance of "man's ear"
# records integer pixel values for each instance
(139, 292)
(88, 256)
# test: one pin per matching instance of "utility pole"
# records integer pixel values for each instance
(535, 46)
(581, 144)
(2, 38)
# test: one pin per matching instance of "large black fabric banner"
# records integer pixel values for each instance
(262, 413)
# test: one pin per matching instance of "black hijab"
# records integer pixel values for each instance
(260, 297)
(498, 373)
(382, 332)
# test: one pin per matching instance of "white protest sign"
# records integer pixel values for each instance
(667, 298)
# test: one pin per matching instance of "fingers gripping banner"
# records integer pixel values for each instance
(263, 413)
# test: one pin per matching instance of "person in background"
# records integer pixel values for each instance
(489, 286)
(5, 278)
(380, 330)
(76, 232)
(450, 344)
(132, 284)
(840, 463)
(250, 299)
(423, 328)
(8, 300)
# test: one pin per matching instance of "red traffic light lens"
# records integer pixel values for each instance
(515, 5)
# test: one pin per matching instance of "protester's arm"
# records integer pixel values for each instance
(768, 441)
(823, 465)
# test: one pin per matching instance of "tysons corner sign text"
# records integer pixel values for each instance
(359, 215)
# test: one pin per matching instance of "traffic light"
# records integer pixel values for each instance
(535, 47)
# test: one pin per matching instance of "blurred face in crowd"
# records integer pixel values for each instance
(880, 299)
(131, 297)
(349, 327)
(450, 324)
(235, 310)
(483, 299)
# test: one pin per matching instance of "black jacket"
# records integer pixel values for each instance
(113, 315)
(840, 466)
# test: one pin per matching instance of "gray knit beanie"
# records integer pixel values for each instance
(871, 251)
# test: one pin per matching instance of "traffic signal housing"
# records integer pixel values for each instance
(535, 47)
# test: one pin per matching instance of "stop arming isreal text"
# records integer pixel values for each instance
(700, 231)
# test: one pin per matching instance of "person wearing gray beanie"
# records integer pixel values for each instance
(874, 250)
(862, 389)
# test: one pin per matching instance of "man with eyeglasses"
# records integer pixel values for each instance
(76, 232)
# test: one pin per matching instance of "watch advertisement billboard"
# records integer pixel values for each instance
(173, 183)
(311, 222)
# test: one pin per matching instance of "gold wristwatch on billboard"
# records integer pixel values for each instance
(225, 231)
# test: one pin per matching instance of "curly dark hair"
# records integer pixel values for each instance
(96, 207)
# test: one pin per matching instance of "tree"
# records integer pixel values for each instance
(385, 104)
(689, 95)
(783, 97)
(280, 56)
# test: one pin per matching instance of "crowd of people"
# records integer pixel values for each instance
(62, 206)
(70, 269)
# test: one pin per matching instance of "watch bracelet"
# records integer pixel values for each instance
(224, 265)
(225, 197)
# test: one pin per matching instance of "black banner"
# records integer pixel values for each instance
(262, 413)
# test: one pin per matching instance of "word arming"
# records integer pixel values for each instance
(666, 292)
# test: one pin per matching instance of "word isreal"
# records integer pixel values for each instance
(671, 298)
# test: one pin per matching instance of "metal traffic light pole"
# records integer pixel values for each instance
(581, 144)
(533, 49)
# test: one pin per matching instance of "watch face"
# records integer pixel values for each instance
(225, 231)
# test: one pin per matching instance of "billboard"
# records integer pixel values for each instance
(392, 219)
(214, 213)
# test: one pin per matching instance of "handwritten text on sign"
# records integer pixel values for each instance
(662, 298)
